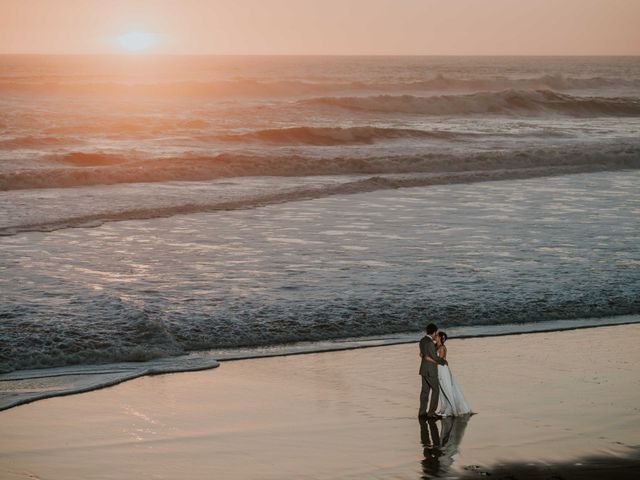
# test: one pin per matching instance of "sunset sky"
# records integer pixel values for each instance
(410, 27)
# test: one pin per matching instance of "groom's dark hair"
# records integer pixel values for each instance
(431, 329)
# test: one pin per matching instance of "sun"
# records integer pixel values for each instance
(136, 42)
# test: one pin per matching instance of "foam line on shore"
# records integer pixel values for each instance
(95, 377)
(94, 381)
(491, 331)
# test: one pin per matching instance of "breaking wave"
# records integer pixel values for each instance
(328, 136)
(400, 173)
(508, 102)
(114, 169)
(542, 82)
(303, 135)
(129, 334)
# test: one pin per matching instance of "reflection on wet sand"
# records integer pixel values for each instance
(441, 440)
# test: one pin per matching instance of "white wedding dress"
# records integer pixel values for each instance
(452, 402)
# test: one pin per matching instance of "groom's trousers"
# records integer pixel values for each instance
(429, 385)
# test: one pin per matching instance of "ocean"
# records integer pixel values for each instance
(155, 207)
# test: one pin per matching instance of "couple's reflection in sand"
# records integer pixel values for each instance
(440, 439)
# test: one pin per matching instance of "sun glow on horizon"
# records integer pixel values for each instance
(137, 42)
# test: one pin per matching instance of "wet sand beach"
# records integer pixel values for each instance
(555, 403)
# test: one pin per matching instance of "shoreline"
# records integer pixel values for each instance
(100, 376)
(547, 403)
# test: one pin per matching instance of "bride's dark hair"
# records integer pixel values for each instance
(443, 337)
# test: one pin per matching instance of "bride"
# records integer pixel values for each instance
(452, 402)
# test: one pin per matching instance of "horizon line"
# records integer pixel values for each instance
(151, 54)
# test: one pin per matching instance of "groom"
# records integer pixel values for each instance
(429, 372)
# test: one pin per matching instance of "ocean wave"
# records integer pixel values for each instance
(127, 333)
(65, 135)
(507, 102)
(493, 169)
(255, 87)
(143, 336)
(129, 169)
(84, 159)
(222, 88)
(327, 136)
(121, 127)
(35, 141)
(542, 82)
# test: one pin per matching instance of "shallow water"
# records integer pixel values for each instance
(349, 265)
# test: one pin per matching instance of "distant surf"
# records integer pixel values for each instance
(508, 102)
(248, 87)
(108, 169)
(329, 136)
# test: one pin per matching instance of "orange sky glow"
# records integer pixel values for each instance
(342, 27)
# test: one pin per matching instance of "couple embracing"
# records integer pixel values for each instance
(437, 379)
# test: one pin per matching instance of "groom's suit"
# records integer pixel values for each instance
(429, 373)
